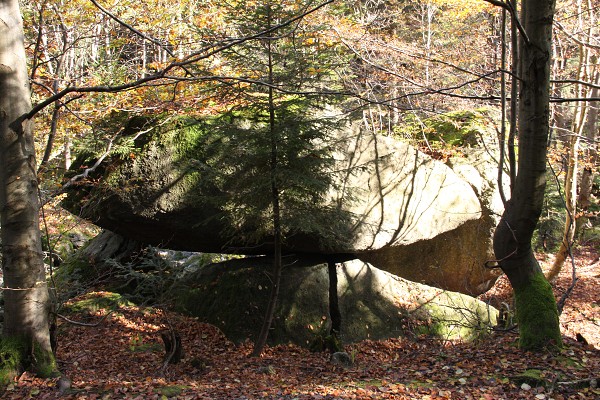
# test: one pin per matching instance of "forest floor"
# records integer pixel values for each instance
(121, 358)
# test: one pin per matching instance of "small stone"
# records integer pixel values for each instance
(525, 386)
(63, 384)
(341, 359)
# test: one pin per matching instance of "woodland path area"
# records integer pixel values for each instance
(121, 358)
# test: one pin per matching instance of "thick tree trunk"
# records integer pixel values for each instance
(535, 304)
(26, 300)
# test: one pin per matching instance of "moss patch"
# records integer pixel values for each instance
(532, 377)
(45, 363)
(537, 315)
(95, 301)
(14, 358)
(453, 316)
(171, 391)
(457, 128)
(12, 351)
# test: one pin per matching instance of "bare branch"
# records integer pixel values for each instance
(138, 32)
(573, 99)
(576, 82)
(91, 325)
(574, 38)
(204, 53)
(509, 6)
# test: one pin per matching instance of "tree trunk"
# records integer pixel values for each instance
(51, 138)
(578, 127)
(276, 212)
(584, 199)
(26, 300)
(536, 311)
(334, 306)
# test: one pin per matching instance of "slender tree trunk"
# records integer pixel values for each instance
(590, 159)
(578, 130)
(26, 300)
(334, 306)
(536, 310)
(51, 138)
(275, 200)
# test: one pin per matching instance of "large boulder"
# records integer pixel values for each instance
(415, 216)
(373, 304)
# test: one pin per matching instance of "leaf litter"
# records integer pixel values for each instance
(122, 357)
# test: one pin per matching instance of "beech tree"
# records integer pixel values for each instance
(535, 304)
(26, 338)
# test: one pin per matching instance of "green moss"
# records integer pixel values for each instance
(15, 357)
(74, 270)
(330, 343)
(12, 351)
(456, 317)
(171, 391)
(95, 301)
(456, 128)
(45, 363)
(537, 315)
(570, 362)
(532, 377)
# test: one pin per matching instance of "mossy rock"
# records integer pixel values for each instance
(459, 128)
(233, 296)
(165, 191)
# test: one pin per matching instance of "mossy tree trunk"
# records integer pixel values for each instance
(535, 303)
(26, 336)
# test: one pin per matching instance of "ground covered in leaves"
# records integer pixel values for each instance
(122, 358)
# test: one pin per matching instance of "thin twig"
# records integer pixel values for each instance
(78, 323)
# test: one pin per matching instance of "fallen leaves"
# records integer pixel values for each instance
(121, 359)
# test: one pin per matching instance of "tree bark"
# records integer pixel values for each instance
(584, 199)
(275, 201)
(26, 300)
(536, 311)
(578, 130)
(334, 306)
